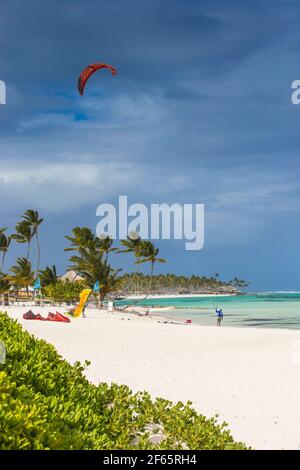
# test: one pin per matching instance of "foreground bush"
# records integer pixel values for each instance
(45, 403)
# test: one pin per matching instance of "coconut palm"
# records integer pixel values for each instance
(22, 275)
(4, 245)
(23, 235)
(106, 247)
(90, 259)
(90, 265)
(83, 237)
(148, 254)
(33, 219)
(133, 244)
(48, 276)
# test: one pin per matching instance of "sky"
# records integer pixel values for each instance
(200, 112)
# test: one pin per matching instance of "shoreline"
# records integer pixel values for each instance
(228, 371)
(176, 296)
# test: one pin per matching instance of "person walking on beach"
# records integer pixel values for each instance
(220, 316)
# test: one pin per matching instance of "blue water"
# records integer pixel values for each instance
(267, 310)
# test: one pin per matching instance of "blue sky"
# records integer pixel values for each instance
(200, 112)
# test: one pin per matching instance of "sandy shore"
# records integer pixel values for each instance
(250, 377)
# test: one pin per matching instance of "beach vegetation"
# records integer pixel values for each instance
(47, 403)
(63, 291)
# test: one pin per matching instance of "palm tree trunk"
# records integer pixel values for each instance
(149, 288)
(38, 254)
(28, 251)
(3, 258)
(129, 284)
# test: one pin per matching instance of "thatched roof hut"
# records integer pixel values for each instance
(71, 276)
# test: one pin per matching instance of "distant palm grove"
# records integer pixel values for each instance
(90, 260)
(170, 284)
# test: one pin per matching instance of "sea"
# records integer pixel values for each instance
(259, 310)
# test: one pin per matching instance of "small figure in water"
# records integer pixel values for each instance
(220, 316)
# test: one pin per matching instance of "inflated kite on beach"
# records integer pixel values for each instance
(89, 70)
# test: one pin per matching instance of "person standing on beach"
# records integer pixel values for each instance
(220, 316)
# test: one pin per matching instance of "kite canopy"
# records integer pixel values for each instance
(89, 70)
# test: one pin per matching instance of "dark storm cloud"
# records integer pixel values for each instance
(47, 46)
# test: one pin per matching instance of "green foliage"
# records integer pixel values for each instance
(23, 232)
(48, 276)
(4, 245)
(22, 274)
(4, 284)
(45, 403)
(91, 259)
(63, 291)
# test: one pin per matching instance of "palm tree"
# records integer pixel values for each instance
(33, 219)
(133, 244)
(88, 261)
(83, 237)
(4, 245)
(105, 245)
(22, 274)
(149, 254)
(48, 276)
(23, 235)
(90, 265)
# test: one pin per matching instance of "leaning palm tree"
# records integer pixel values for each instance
(4, 245)
(33, 219)
(22, 275)
(133, 244)
(82, 237)
(23, 235)
(149, 254)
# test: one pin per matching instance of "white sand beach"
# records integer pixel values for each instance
(250, 377)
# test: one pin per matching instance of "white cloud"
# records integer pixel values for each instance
(61, 186)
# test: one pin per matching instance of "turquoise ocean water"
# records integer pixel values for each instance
(267, 310)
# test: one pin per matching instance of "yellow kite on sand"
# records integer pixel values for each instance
(83, 296)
